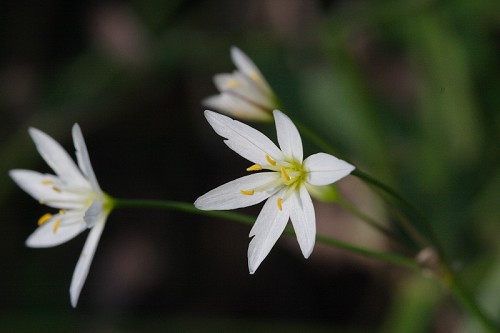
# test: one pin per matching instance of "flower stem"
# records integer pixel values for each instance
(450, 278)
(249, 220)
(316, 139)
(469, 303)
(371, 222)
(182, 207)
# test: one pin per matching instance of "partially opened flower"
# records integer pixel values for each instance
(285, 184)
(244, 94)
(74, 191)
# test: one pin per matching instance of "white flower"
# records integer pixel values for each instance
(285, 185)
(244, 94)
(75, 192)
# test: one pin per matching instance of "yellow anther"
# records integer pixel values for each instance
(47, 182)
(285, 174)
(254, 76)
(44, 218)
(62, 212)
(56, 225)
(56, 189)
(248, 192)
(233, 84)
(255, 167)
(270, 160)
(280, 203)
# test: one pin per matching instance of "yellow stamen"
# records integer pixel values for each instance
(47, 182)
(255, 167)
(248, 192)
(44, 218)
(62, 212)
(285, 174)
(56, 225)
(270, 160)
(233, 84)
(280, 203)
(57, 189)
(254, 76)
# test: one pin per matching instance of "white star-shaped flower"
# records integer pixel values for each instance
(75, 192)
(244, 94)
(285, 185)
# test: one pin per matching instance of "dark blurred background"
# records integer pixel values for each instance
(409, 90)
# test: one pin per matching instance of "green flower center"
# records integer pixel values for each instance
(292, 175)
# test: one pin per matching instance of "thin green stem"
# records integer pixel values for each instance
(249, 220)
(469, 303)
(395, 259)
(316, 139)
(182, 207)
(406, 205)
(327, 147)
(450, 277)
(410, 229)
(370, 221)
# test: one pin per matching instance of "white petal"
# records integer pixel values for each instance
(247, 66)
(267, 229)
(229, 196)
(240, 86)
(44, 236)
(243, 62)
(236, 107)
(57, 158)
(323, 169)
(93, 213)
(243, 139)
(82, 156)
(288, 136)
(83, 265)
(303, 220)
(32, 182)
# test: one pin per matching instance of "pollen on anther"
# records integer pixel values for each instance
(57, 224)
(247, 192)
(56, 189)
(270, 160)
(280, 203)
(254, 76)
(44, 218)
(255, 167)
(47, 182)
(233, 84)
(285, 174)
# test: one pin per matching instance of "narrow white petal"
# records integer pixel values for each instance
(93, 213)
(57, 158)
(47, 235)
(288, 136)
(33, 183)
(243, 139)
(247, 66)
(236, 107)
(223, 81)
(229, 196)
(323, 169)
(267, 229)
(239, 85)
(83, 265)
(243, 62)
(303, 220)
(82, 155)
